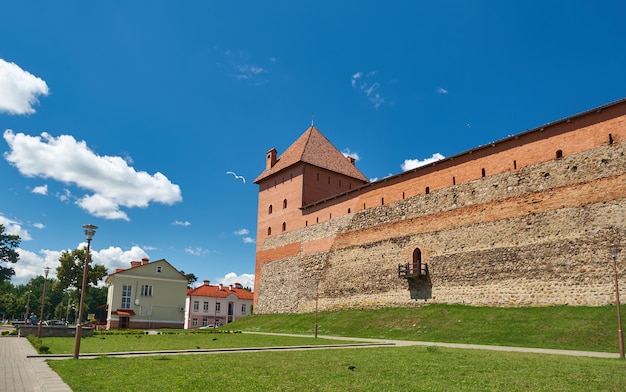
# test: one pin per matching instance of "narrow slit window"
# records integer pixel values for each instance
(427, 191)
(483, 172)
(559, 154)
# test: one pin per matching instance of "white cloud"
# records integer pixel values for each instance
(115, 257)
(181, 223)
(12, 227)
(413, 163)
(41, 190)
(19, 89)
(442, 90)
(31, 265)
(39, 225)
(347, 153)
(246, 280)
(246, 239)
(197, 251)
(114, 184)
(368, 87)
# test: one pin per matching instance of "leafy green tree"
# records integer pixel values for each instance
(191, 278)
(70, 274)
(8, 254)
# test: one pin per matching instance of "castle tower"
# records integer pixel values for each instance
(310, 170)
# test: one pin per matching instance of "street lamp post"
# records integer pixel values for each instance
(30, 290)
(43, 298)
(90, 230)
(317, 297)
(614, 250)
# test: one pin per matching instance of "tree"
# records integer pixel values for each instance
(191, 278)
(70, 272)
(8, 254)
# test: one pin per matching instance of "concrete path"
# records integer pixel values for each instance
(21, 370)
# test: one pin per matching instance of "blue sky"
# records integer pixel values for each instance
(128, 115)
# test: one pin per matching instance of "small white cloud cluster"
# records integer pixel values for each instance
(414, 163)
(112, 182)
(244, 233)
(19, 89)
(364, 83)
(246, 280)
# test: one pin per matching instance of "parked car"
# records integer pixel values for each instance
(54, 323)
(208, 326)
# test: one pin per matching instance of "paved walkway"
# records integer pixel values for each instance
(21, 369)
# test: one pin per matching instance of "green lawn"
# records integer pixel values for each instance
(414, 368)
(182, 340)
(559, 327)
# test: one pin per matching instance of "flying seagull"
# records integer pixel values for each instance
(237, 177)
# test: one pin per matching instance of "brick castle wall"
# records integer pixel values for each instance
(535, 235)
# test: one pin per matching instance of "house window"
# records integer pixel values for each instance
(206, 306)
(218, 305)
(243, 308)
(159, 269)
(127, 292)
(146, 290)
(205, 322)
(196, 305)
(194, 322)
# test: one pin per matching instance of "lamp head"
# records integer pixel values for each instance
(46, 271)
(614, 249)
(90, 230)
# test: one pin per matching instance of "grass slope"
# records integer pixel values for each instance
(560, 327)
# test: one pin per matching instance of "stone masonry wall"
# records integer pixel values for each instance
(537, 236)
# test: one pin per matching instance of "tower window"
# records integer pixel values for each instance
(284, 204)
(483, 172)
(427, 190)
(284, 226)
(269, 210)
(559, 154)
(269, 231)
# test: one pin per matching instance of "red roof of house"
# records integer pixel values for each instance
(220, 291)
(313, 148)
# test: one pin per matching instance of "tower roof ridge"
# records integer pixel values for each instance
(314, 148)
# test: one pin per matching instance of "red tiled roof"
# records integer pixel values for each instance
(313, 148)
(216, 292)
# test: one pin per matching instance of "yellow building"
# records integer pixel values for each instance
(148, 295)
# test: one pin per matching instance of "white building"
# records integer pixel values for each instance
(216, 305)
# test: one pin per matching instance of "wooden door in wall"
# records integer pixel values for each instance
(124, 322)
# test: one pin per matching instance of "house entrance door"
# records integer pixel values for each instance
(124, 322)
(231, 309)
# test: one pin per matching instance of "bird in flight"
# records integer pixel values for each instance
(237, 177)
